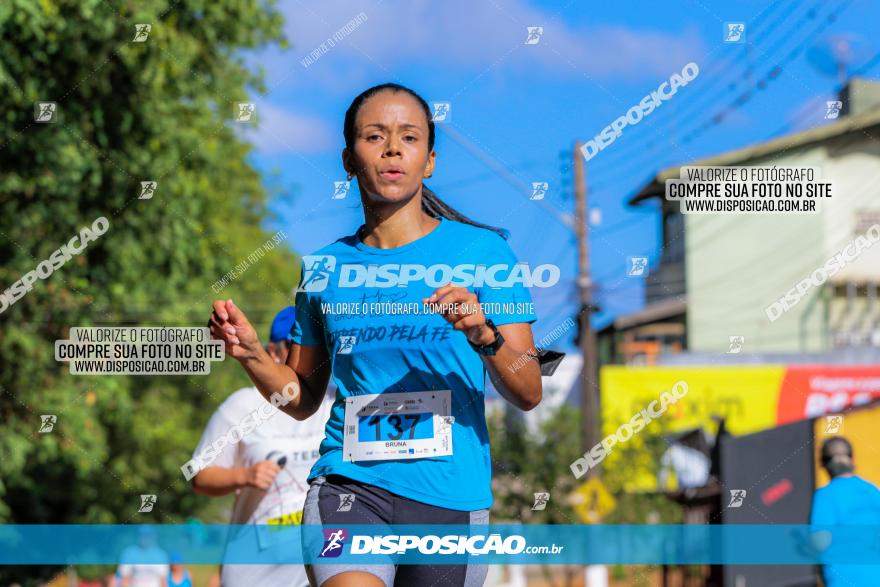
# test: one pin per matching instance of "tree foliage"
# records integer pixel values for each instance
(127, 112)
(524, 464)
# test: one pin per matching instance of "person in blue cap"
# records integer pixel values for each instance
(263, 459)
(279, 334)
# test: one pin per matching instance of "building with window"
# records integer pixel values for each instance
(764, 280)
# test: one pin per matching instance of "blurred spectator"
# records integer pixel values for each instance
(847, 500)
(178, 576)
(143, 564)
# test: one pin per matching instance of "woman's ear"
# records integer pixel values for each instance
(429, 166)
(346, 161)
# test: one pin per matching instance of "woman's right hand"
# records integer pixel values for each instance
(229, 324)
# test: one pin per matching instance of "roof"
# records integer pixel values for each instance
(845, 125)
(657, 311)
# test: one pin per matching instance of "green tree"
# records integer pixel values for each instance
(524, 464)
(127, 112)
(637, 459)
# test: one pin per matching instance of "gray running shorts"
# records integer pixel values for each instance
(374, 505)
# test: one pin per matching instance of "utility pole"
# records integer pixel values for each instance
(589, 383)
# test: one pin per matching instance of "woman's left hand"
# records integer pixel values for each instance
(462, 309)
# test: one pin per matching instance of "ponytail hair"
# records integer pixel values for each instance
(431, 203)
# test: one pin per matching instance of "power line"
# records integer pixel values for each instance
(763, 83)
(836, 91)
(698, 105)
(504, 173)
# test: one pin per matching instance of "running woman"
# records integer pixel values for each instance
(407, 440)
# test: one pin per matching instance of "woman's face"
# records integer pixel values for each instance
(390, 155)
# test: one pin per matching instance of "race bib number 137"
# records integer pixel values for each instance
(385, 426)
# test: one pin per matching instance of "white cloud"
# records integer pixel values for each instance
(616, 51)
(279, 130)
(472, 36)
(480, 41)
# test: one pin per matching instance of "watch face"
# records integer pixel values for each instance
(499, 340)
(489, 349)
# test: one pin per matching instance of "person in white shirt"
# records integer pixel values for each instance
(267, 468)
(143, 564)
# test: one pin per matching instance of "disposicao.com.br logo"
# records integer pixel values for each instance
(334, 541)
(449, 544)
(319, 270)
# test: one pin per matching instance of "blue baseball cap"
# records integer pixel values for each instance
(282, 324)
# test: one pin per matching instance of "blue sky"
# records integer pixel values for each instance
(517, 110)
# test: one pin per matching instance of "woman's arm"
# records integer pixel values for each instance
(302, 381)
(514, 368)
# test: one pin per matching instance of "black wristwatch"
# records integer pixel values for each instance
(490, 349)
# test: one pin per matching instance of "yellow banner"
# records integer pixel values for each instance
(747, 397)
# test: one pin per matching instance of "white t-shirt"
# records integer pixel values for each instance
(278, 438)
(143, 575)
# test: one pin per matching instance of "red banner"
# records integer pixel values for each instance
(813, 390)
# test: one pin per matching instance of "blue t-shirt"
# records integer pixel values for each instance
(847, 501)
(397, 352)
